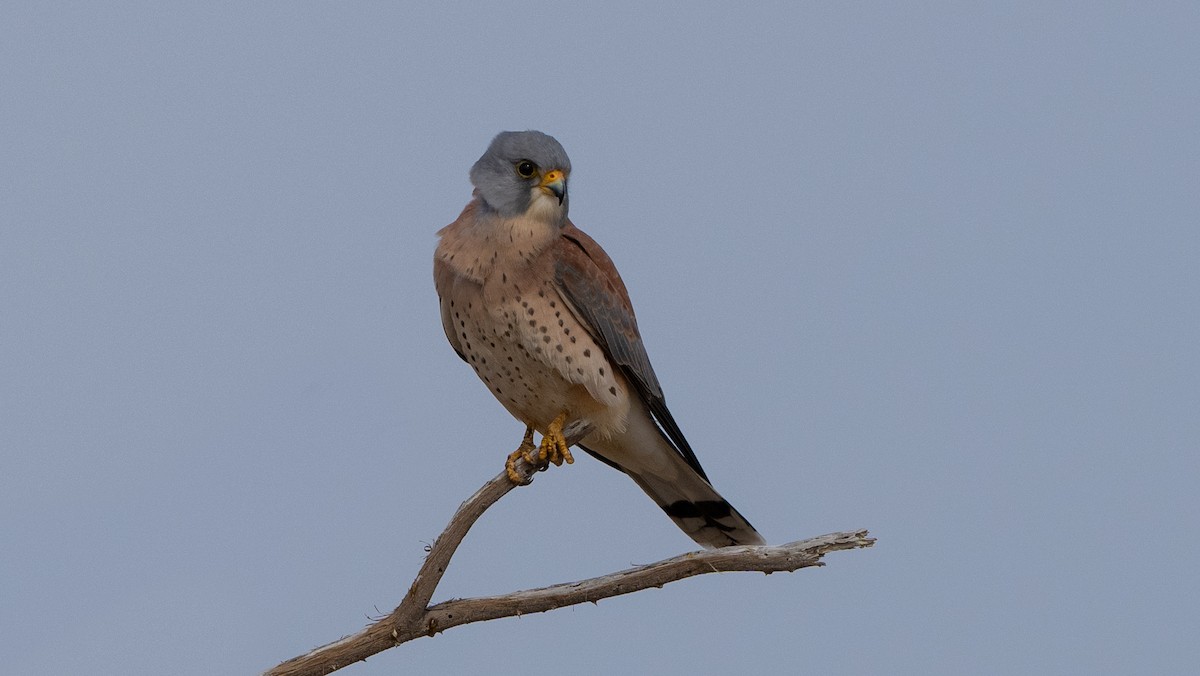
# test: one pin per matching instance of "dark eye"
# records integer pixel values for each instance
(526, 169)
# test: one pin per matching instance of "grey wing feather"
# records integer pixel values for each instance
(590, 284)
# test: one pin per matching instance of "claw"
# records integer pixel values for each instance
(522, 452)
(554, 446)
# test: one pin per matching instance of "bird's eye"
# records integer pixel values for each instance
(526, 169)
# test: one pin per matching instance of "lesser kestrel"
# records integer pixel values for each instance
(538, 310)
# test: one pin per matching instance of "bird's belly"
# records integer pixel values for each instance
(527, 353)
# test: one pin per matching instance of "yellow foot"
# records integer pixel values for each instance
(554, 445)
(524, 452)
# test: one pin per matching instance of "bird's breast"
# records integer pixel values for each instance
(482, 246)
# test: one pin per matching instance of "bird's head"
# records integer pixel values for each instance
(524, 173)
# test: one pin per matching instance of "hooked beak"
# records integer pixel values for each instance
(555, 182)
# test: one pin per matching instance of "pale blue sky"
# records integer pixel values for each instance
(928, 270)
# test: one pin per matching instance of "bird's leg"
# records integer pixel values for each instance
(554, 446)
(524, 451)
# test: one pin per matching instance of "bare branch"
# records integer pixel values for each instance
(414, 618)
(762, 558)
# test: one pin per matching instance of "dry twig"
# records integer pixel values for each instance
(414, 617)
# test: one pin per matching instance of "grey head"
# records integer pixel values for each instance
(519, 167)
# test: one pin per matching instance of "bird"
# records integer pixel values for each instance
(538, 310)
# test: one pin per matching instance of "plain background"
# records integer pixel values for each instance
(923, 268)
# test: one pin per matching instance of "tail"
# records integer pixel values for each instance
(699, 510)
(691, 502)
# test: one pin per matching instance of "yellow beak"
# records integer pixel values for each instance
(555, 182)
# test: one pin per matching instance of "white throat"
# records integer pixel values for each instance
(544, 207)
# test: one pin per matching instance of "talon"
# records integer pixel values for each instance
(554, 446)
(522, 452)
(510, 467)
